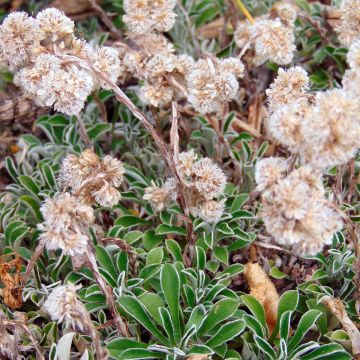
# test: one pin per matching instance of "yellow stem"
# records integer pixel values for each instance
(244, 10)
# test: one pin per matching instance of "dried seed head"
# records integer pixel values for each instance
(293, 221)
(160, 197)
(209, 179)
(210, 210)
(353, 56)
(157, 94)
(143, 16)
(185, 165)
(92, 179)
(274, 41)
(348, 30)
(269, 171)
(64, 306)
(286, 13)
(65, 224)
(106, 60)
(54, 25)
(289, 85)
(332, 129)
(18, 39)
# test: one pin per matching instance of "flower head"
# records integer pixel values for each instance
(348, 30)
(209, 179)
(18, 39)
(269, 171)
(65, 224)
(64, 306)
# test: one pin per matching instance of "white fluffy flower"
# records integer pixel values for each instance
(209, 179)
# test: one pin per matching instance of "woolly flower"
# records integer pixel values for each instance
(269, 171)
(242, 34)
(160, 197)
(332, 129)
(210, 211)
(286, 13)
(18, 39)
(289, 85)
(211, 83)
(157, 94)
(348, 30)
(185, 164)
(65, 88)
(143, 16)
(274, 41)
(93, 180)
(54, 25)
(209, 180)
(295, 222)
(64, 306)
(351, 82)
(285, 125)
(233, 66)
(353, 56)
(65, 224)
(106, 60)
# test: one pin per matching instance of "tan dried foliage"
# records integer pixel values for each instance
(12, 292)
(262, 288)
(337, 307)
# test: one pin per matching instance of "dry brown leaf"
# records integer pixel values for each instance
(197, 357)
(212, 29)
(262, 288)
(337, 307)
(12, 292)
(76, 9)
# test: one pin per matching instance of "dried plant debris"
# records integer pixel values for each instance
(180, 180)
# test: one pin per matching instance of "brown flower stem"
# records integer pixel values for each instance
(352, 181)
(106, 20)
(83, 134)
(24, 327)
(120, 323)
(124, 99)
(101, 106)
(37, 252)
(226, 145)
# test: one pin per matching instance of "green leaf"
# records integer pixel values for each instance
(155, 256)
(11, 168)
(288, 302)
(226, 332)
(129, 220)
(152, 303)
(136, 310)
(105, 260)
(140, 354)
(174, 249)
(166, 229)
(200, 260)
(133, 236)
(221, 254)
(285, 325)
(328, 352)
(305, 324)
(170, 286)
(98, 130)
(33, 205)
(276, 273)
(220, 311)
(167, 324)
(118, 346)
(29, 184)
(265, 347)
(256, 309)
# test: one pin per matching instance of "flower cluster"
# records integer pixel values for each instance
(204, 182)
(324, 129)
(212, 82)
(144, 16)
(33, 49)
(349, 28)
(64, 306)
(65, 225)
(91, 179)
(272, 35)
(304, 225)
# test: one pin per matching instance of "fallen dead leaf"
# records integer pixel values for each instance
(262, 288)
(197, 357)
(337, 307)
(12, 292)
